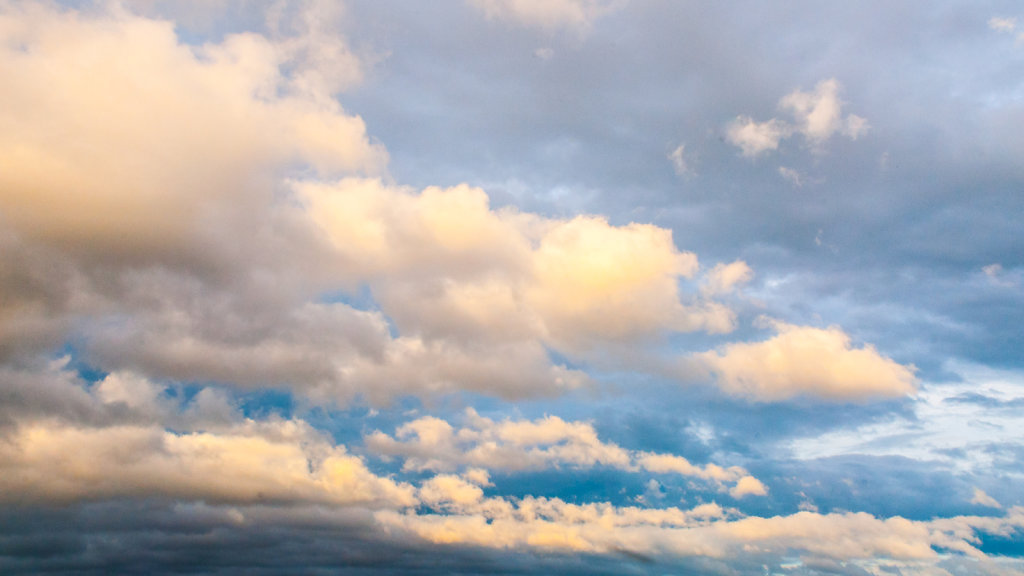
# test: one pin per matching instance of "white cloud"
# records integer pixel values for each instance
(577, 15)
(794, 177)
(965, 425)
(1002, 24)
(817, 116)
(724, 278)
(678, 159)
(802, 360)
(756, 138)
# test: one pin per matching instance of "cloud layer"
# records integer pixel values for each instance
(238, 334)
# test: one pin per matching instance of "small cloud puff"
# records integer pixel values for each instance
(817, 116)
(792, 176)
(678, 160)
(724, 278)
(1002, 24)
(982, 499)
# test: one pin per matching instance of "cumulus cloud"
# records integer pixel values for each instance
(444, 263)
(802, 360)
(817, 116)
(135, 135)
(431, 443)
(577, 15)
(181, 248)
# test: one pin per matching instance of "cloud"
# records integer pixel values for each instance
(998, 276)
(678, 160)
(802, 360)
(982, 499)
(444, 263)
(748, 485)
(202, 220)
(576, 15)
(817, 116)
(253, 462)
(794, 177)
(152, 139)
(705, 531)
(724, 278)
(433, 444)
(756, 138)
(430, 443)
(1002, 24)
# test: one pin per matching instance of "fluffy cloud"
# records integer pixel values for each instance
(124, 436)
(817, 116)
(134, 135)
(444, 264)
(802, 360)
(724, 278)
(578, 15)
(755, 138)
(267, 471)
(253, 462)
(146, 207)
(431, 443)
(706, 531)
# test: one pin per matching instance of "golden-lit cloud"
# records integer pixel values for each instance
(114, 130)
(707, 531)
(445, 264)
(430, 443)
(252, 462)
(802, 360)
(144, 184)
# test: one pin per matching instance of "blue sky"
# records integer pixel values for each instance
(511, 286)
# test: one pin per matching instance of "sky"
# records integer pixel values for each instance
(511, 287)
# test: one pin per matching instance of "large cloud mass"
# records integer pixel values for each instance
(233, 339)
